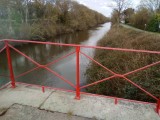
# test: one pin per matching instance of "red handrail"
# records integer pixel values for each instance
(78, 53)
(84, 46)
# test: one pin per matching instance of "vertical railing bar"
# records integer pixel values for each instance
(9, 59)
(158, 107)
(43, 89)
(77, 73)
(116, 101)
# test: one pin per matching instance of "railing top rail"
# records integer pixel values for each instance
(83, 46)
(7, 46)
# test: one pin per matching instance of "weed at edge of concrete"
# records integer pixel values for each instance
(69, 113)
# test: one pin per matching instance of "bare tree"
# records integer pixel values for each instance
(120, 6)
(153, 5)
(114, 16)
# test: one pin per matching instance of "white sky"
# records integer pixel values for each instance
(103, 6)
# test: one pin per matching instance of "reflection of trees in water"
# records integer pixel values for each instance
(47, 53)
(44, 54)
(41, 53)
(3, 64)
(74, 38)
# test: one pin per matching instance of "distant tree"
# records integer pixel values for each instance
(141, 18)
(44, 19)
(121, 5)
(153, 5)
(64, 6)
(114, 18)
(154, 23)
(128, 14)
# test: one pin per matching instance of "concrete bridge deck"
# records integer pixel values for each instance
(30, 103)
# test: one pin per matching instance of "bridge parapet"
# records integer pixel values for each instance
(78, 52)
(62, 101)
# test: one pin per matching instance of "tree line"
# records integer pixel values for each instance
(146, 17)
(44, 19)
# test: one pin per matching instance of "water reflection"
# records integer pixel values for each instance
(47, 53)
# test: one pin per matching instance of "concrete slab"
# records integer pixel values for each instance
(22, 95)
(99, 108)
(20, 112)
(64, 102)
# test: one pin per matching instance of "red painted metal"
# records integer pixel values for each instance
(121, 76)
(158, 107)
(3, 49)
(141, 88)
(10, 65)
(4, 86)
(44, 67)
(61, 58)
(77, 73)
(116, 101)
(89, 94)
(46, 87)
(143, 68)
(43, 89)
(55, 61)
(78, 52)
(109, 78)
(110, 97)
(98, 63)
(84, 46)
(27, 72)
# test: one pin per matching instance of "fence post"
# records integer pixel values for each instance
(43, 89)
(116, 101)
(158, 107)
(10, 65)
(77, 74)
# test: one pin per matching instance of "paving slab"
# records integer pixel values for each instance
(22, 94)
(21, 112)
(99, 108)
(93, 107)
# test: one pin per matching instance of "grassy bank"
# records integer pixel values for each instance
(123, 62)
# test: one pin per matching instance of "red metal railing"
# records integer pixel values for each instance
(78, 88)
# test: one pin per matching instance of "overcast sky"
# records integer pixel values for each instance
(102, 6)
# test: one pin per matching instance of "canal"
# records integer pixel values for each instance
(44, 54)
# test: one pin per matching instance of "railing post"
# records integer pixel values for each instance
(43, 89)
(77, 73)
(10, 65)
(158, 107)
(116, 101)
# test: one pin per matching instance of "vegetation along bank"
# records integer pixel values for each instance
(145, 16)
(123, 62)
(41, 20)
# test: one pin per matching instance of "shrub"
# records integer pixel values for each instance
(154, 23)
(123, 62)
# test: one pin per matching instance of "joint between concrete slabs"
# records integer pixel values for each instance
(46, 99)
(4, 111)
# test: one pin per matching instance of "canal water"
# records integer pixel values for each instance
(44, 54)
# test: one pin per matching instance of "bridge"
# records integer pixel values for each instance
(75, 101)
